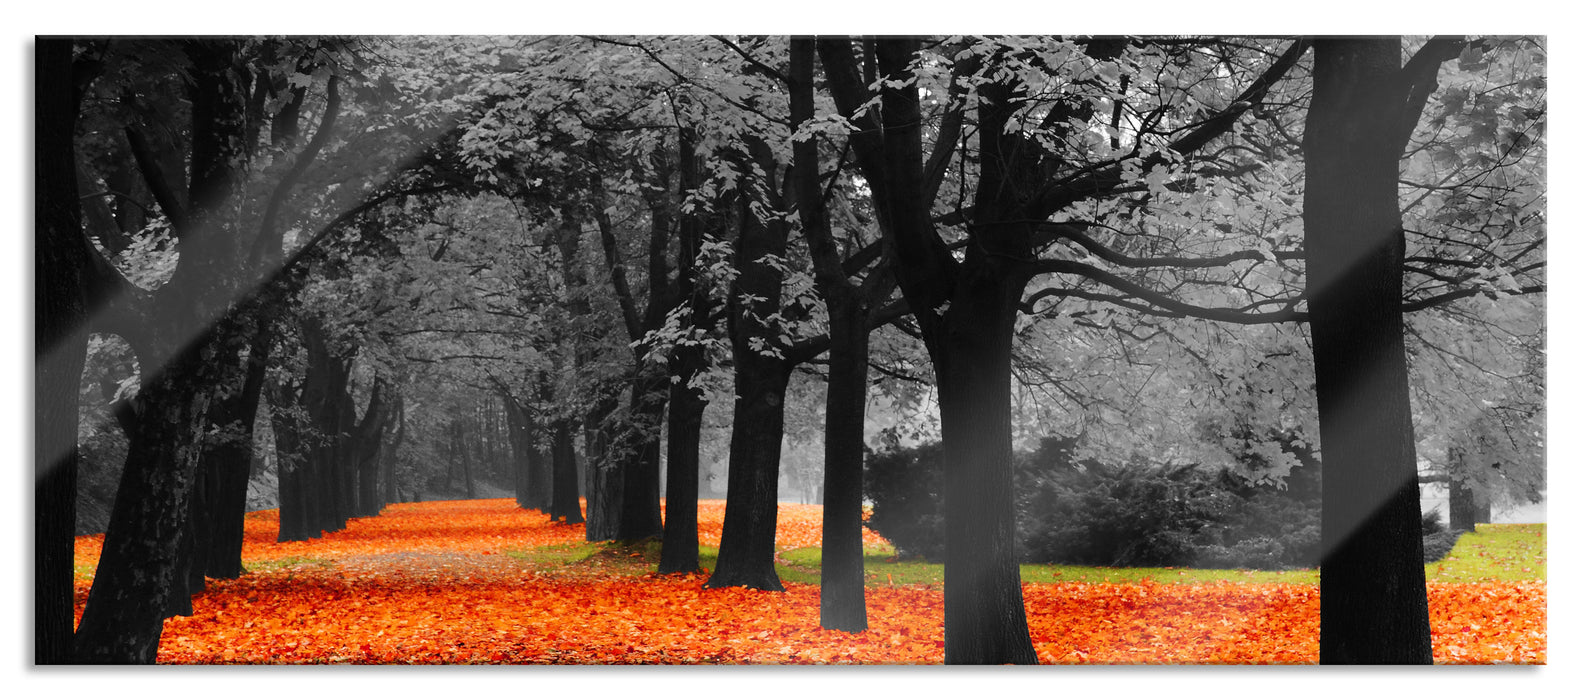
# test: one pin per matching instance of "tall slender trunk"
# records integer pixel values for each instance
(842, 597)
(466, 461)
(679, 551)
(1373, 596)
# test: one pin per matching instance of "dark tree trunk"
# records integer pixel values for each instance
(466, 460)
(1463, 506)
(60, 347)
(842, 597)
(519, 432)
(185, 361)
(1374, 601)
(393, 449)
(747, 537)
(679, 549)
(985, 619)
(565, 504)
(639, 457)
(315, 496)
(368, 448)
(228, 465)
(604, 482)
(291, 463)
(139, 578)
(1465, 513)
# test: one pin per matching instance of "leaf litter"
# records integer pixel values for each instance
(430, 583)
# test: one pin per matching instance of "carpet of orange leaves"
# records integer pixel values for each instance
(428, 584)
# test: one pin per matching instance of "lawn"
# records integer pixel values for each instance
(485, 582)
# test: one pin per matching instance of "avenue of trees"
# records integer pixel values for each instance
(617, 268)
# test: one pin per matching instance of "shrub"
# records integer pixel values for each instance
(1139, 514)
(1438, 544)
(904, 486)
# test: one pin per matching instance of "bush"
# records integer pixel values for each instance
(1092, 514)
(904, 486)
(1438, 544)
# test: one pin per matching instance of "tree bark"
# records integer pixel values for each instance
(184, 361)
(985, 619)
(227, 465)
(679, 548)
(1374, 600)
(368, 446)
(747, 536)
(60, 347)
(603, 474)
(565, 505)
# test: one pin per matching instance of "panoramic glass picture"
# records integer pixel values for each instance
(619, 350)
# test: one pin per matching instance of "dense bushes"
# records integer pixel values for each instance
(904, 487)
(1088, 513)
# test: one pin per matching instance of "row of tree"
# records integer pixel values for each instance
(611, 234)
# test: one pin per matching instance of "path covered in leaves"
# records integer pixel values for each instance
(431, 583)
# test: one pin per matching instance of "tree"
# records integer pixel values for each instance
(852, 310)
(966, 307)
(60, 344)
(195, 104)
(1375, 604)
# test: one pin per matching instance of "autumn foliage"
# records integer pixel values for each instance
(430, 583)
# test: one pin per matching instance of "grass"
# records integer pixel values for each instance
(1495, 552)
(286, 563)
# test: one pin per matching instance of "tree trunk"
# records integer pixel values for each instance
(392, 490)
(565, 504)
(228, 465)
(639, 460)
(985, 619)
(842, 597)
(679, 550)
(291, 464)
(60, 348)
(604, 482)
(140, 575)
(368, 446)
(1374, 600)
(185, 361)
(747, 538)
(466, 461)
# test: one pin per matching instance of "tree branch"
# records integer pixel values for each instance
(268, 241)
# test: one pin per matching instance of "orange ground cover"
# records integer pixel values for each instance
(426, 584)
